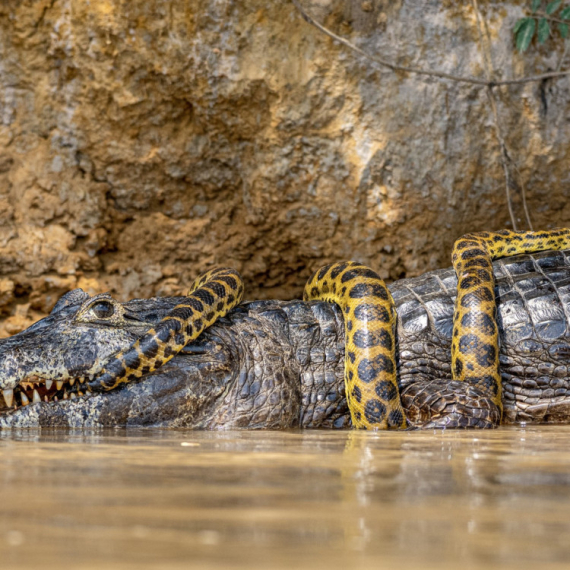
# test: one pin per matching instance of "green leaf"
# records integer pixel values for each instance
(543, 30)
(565, 14)
(535, 5)
(525, 33)
(563, 29)
(519, 24)
(553, 6)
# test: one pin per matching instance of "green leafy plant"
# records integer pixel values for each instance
(539, 24)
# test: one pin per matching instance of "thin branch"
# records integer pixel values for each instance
(547, 17)
(504, 155)
(431, 73)
(506, 160)
(503, 151)
(523, 194)
(530, 78)
(384, 63)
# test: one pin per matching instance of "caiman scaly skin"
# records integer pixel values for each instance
(274, 364)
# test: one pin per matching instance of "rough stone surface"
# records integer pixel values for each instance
(143, 142)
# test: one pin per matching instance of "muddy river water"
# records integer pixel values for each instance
(267, 500)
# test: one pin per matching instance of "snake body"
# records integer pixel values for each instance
(370, 346)
(371, 383)
(210, 297)
(475, 344)
(370, 365)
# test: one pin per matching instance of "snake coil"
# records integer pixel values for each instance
(371, 383)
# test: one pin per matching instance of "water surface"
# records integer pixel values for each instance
(271, 500)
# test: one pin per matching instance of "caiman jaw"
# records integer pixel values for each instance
(34, 389)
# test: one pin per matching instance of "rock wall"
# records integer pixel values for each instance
(145, 141)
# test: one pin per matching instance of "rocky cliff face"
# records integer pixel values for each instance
(144, 142)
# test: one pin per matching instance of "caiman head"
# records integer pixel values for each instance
(52, 362)
(53, 358)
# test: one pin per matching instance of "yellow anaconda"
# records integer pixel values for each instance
(370, 365)
(475, 344)
(211, 296)
(370, 346)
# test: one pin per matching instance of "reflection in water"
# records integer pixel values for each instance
(178, 499)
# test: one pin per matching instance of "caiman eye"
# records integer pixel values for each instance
(103, 310)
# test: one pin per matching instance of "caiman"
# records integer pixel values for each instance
(280, 364)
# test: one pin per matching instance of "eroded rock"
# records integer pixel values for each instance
(141, 143)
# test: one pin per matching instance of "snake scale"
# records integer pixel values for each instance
(370, 363)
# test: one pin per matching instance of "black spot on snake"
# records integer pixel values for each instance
(163, 334)
(471, 253)
(361, 290)
(369, 369)
(487, 383)
(386, 390)
(486, 354)
(369, 313)
(374, 411)
(474, 298)
(149, 347)
(339, 268)
(205, 296)
(469, 282)
(196, 304)
(369, 339)
(168, 352)
(395, 418)
(181, 312)
(228, 280)
(458, 367)
(131, 360)
(360, 272)
(479, 321)
(323, 271)
(357, 394)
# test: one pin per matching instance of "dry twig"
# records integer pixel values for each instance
(419, 71)
(506, 161)
(489, 83)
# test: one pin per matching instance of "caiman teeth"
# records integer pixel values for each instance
(34, 389)
(8, 397)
